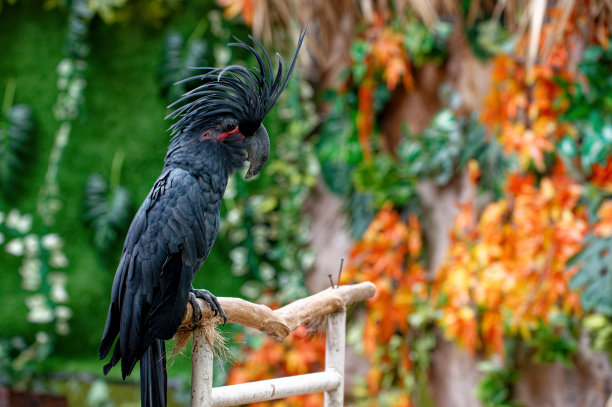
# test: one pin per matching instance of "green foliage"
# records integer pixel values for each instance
(339, 155)
(555, 341)
(384, 180)
(422, 342)
(445, 148)
(600, 329)
(17, 129)
(365, 185)
(109, 210)
(590, 112)
(337, 147)
(106, 9)
(426, 43)
(71, 85)
(592, 99)
(122, 108)
(9, 2)
(489, 37)
(177, 59)
(263, 219)
(152, 12)
(41, 258)
(595, 274)
(396, 377)
(439, 153)
(19, 362)
(493, 389)
(79, 18)
(434, 153)
(41, 253)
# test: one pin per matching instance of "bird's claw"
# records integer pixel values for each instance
(210, 299)
(197, 312)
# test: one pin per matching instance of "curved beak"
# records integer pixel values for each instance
(258, 149)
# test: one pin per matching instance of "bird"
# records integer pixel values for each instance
(217, 129)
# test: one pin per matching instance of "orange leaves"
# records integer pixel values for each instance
(460, 325)
(512, 272)
(387, 255)
(297, 354)
(383, 55)
(523, 111)
(602, 176)
(244, 8)
(389, 54)
(559, 37)
(524, 116)
(380, 256)
(365, 118)
(373, 380)
(523, 108)
(603, 228)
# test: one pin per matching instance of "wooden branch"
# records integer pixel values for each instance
(281, 322)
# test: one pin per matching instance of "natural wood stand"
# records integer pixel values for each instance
(278, 324)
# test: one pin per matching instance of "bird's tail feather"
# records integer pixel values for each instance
(153, 378)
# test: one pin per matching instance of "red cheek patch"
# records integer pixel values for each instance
(225, 135)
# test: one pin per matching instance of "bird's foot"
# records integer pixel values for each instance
(208, 298)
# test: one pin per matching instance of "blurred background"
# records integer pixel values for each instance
(455, 153)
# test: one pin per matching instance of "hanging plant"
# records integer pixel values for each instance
(178, 57)
(108, 207)
(264, 220)
(17, 129)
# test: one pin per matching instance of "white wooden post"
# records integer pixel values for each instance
(279, 324)
(274, 389)
(334, 355)
(201, 371)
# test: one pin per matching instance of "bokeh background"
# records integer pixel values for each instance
(455, 153)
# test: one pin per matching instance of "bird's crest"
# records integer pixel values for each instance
(246, 95)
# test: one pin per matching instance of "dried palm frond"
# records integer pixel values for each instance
(334, 23)
(538, 10)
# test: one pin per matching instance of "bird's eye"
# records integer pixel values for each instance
(230, 127)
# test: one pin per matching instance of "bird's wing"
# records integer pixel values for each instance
(169, 239)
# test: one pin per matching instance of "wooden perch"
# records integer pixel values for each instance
(281, 322)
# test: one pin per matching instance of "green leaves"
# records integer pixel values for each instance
(490, 37)
(494, 387)
(595, 274)
(263, 219)
(440, 152)
(554, 341)
(108, 210)
(338, 152)
(590, 111)
(17, 128)
(446, 146)
(600, 329)
(384, 181)
(425, 43)
(434, 153)
(177, 59)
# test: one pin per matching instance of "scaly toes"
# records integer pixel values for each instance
(212, 302)
(197, 312)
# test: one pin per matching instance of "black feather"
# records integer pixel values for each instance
(245, 95)
(177, 224)
(154, 379)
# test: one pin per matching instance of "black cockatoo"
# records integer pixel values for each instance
(176, 226)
